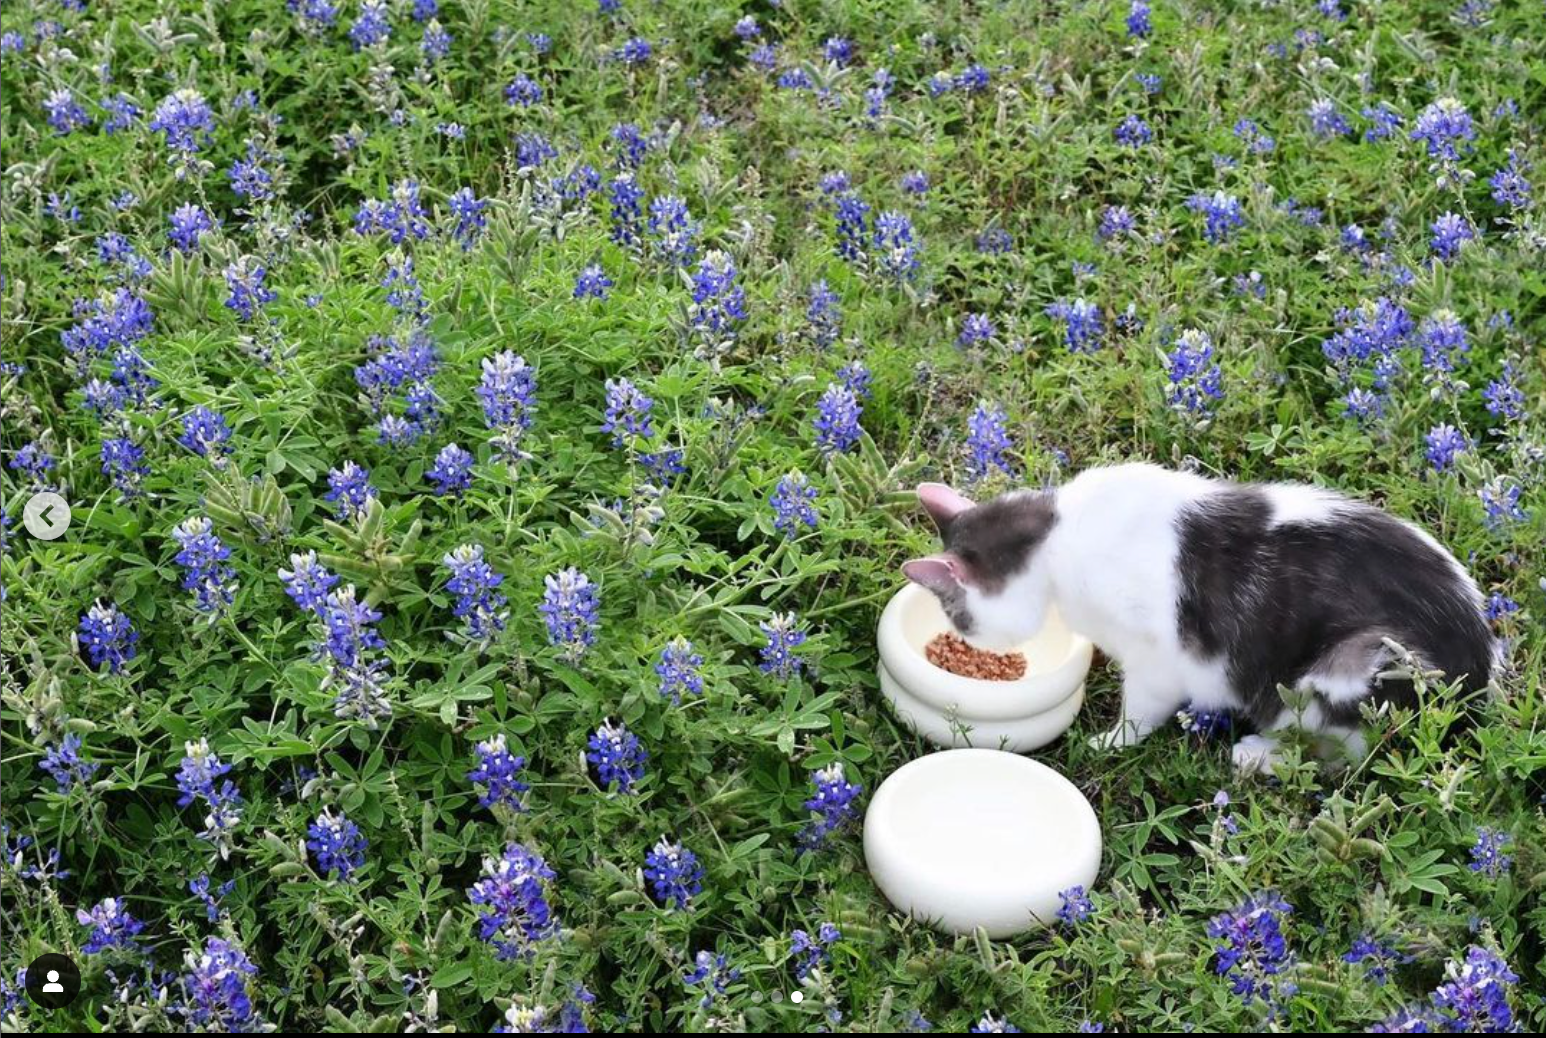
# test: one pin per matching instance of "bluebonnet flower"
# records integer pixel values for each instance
(856, 377)
(915, 182)
(987, 442)
(617, 756)
(1500, 501)
(714, 972)
(425, 10)
(570, 608)
(1451, 232)
(468, 210)
(1076, 907)
(122, 113)
(664, 465)
(837, 420)
(206, 433)
(1445, 127)
(399, 216)
(1384, 121)
(452, 471)
(373, 26)
(1487, 857)
(12, 43)
(1253, 953)
(746, 28)
(111, 926)
(215, 989)
(973, 79)
(1444, 443)
(835, 183)
(1222, 214)
(189, 223)
(834, 803)
(1256, 142)
(635, 51)
(975, 328)
(784, 636)
(108, 637)
(185, 120)
(628, 412)
(198, 778)
(1443, 340)
(350, 645)
(896, 252)
(199, 888)
(592, 283)
(349, 490)
(1083, 325)
(852, 215)
(508, 392)
(794, 504)
(533, 150)
(1153, 84)
(990, 1024)
(1133, 132)
(476, 587)
(436, 43)
(797, 78)
(839, 50)
(1204, 723)
(1138, 25)
(678, 671)
(1326, 121)
(523, 91)
(1499, 606)
(66, 765)
(1378, 957)
(1509, 185)
(498, 772)
(203, 558)
(337, 844)
(123, 462)
(1504, 397)
(812, 952)
(673, 873)
(1195, 382)
(403, 291)
(627, 213)
(764, 57)
(718, 303)
(629, 144)
(514, 897)
(246, 279)
(248, 176)
(1116, 222)
(673, 230)
(823, 315)
(307, 581)
(65, 114)
(35, 461)
(1473, 998)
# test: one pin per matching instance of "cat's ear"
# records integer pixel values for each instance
(942, 503)
(941, 574)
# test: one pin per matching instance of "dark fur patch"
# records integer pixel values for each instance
(1277, 602)
(995, 540)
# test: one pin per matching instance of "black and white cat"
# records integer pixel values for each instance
(1214, 593)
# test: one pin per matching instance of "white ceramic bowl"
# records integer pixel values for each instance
(966, 838)
(950, 710)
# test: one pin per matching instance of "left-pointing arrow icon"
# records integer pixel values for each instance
(46, 516)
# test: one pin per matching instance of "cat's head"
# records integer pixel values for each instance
(991, 578)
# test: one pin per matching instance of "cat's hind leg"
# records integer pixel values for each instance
(1150, 697)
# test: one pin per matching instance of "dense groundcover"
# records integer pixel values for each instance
(490, 429)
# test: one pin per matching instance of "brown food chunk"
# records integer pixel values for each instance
(948, 652)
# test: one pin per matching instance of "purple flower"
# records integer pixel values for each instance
(66, 765)
(811, 951)
(350, 646)
(498, 772)
(185, 119)
(400, 216)
(1384, 121)
(616, 755)
(674, 874)
(1509, 184)
(215, 994)
(837, 420)
(626, 213)
(373, 25)
(468, 209)
(206, 433)
(1444, 443)
(508, 393)
(674, 233)
(199, 888)
(834, 803)
(1487, 857)
(793, 502)
(896, 252)
(990, 1024)
(570, 608)
(111, 926)
(123, 462)
(207, 573)
(1138, 20)
(514, 897)
(1076, 907)
(852, 215)
(1222, 214)
(987, 442)
(975, 328)
(523, 91)
(1451, 232)
(1445, 127)
(635, 51)
(1195, 382)
(188, 224)
(1252, 952)
(350, 491)
(1504, 397)
(337, 844)
(307, 581)
(824, 316)
(1326, 121)
(784, 636)
(628, 412)
(36, 462)
(1083, 326)
(246, 279)
(713, 971)
(678, 671)
(452, 471)
(1500, 501)
(476, 586)
(1133, 132)
(65, 114)
(108, 638)
(592, 283)
(718, 303)
(1378, 957)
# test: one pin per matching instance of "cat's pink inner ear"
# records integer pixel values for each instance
(942, 503)
(937, 572)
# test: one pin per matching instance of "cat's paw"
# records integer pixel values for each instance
(1255, 755)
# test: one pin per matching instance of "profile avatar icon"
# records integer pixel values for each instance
(53, 981)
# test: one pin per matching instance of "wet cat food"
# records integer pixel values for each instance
(949, 652)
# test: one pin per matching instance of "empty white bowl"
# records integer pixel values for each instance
(967, 838)
(950, 710)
